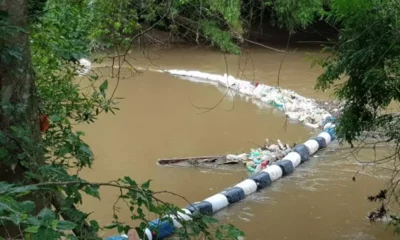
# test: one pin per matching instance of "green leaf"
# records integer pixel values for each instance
(27, 206)
(23, 189)
(146, 185)
(26, 139)
(16, 219)
(33, 221)
(129, 181)
(94, 225)
(5, 187)
(103, 87)
(64, 150)
(92, 191)
(111, 226)
(46, 214)
(54, 224)
(32, 229)
(21, 156)
(85, 149)
(120, 228)
(65, 225)
(3, 153)
(45, 234)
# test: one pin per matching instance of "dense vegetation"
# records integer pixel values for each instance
(41, 40)
(367, 55)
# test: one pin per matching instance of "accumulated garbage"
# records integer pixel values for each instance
(260, 158)
(256, 160)
(265, 157)
(296, 107)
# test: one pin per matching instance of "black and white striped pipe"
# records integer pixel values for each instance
(300, 154)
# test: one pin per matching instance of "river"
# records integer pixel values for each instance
(160, 117)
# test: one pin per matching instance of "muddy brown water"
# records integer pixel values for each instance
(158, 119)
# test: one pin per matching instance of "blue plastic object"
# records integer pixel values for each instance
(286, 166)
(234, 194)
(302, 150)
(321, 142)
(329, 119)
(117, 238)
(203, 207)
(262, 179)
(331, 132)
(162, 228)
(256, 161)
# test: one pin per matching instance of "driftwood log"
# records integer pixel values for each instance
(196, 161)
(277, 152)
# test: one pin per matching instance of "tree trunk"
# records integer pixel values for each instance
(17, 88)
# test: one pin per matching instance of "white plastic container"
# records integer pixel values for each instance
(274, 171)
(176, 222)
(312, 146)
(218, 201)
(294, 157)
(329, 125)
(180, 217)
(326, 136)
(257, 92)
(293, 115)
(248, 186)
(148, 234)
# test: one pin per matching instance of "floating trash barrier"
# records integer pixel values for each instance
(295, 106)
(268, 163)
(301, 153)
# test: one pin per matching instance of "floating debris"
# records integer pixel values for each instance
(295, 106)
(255, 160)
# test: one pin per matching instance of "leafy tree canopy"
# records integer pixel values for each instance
(39, 49)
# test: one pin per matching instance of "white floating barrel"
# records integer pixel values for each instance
(218, 201)
(326, 136)
(294, 157)
(248, 186)
(180, 217)
(176, 222)
(274, 171)
(312, 146)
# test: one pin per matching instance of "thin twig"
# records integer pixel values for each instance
(283, 58)
(264, 46)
